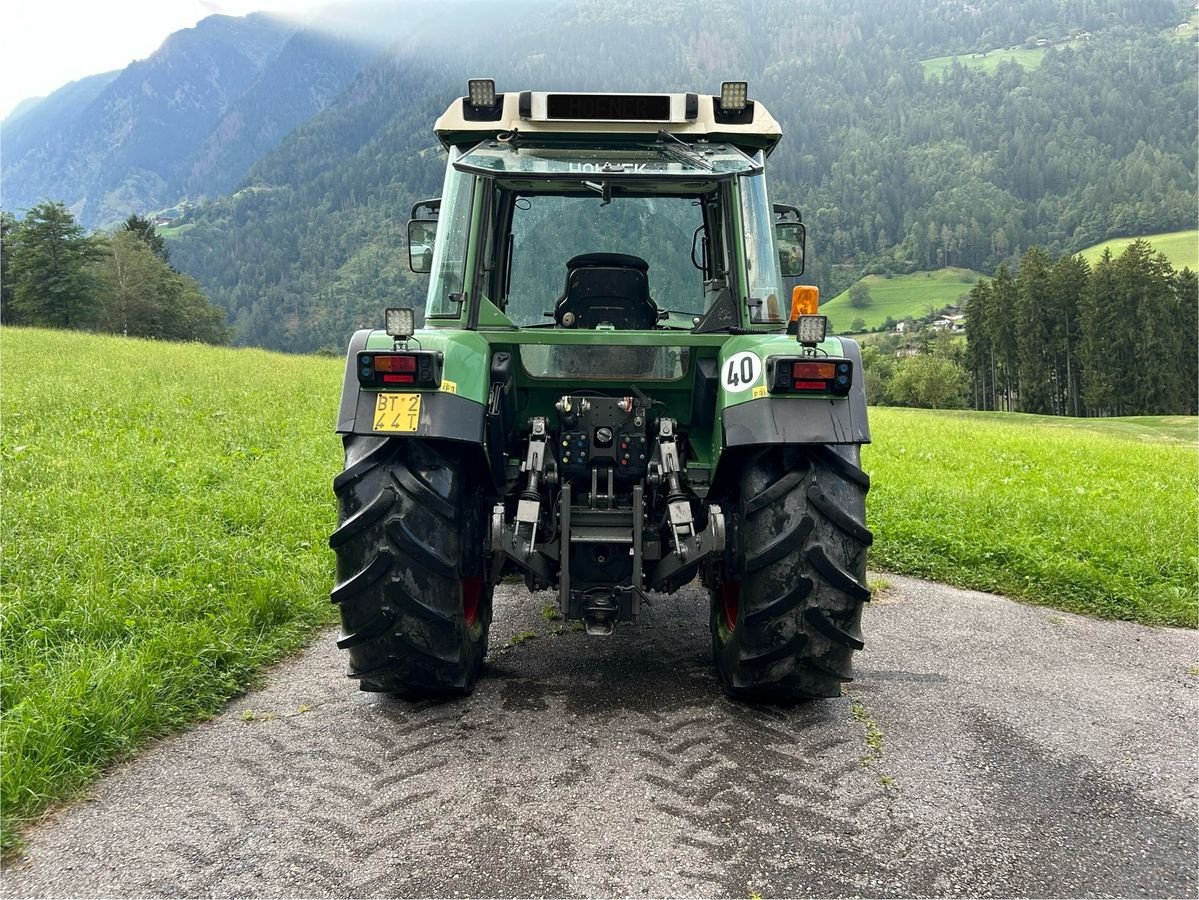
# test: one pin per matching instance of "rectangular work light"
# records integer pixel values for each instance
(734, 95)
(481, 92)
(399, 322)
(810, 330)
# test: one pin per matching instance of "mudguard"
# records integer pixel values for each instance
(749, 415)
(455, 411)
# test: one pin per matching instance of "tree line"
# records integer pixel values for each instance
(53, 275)
(1062, 338)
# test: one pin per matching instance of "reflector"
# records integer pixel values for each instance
(813, 370)
(395, 363)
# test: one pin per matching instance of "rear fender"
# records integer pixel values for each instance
(455, 411)
(748, 415)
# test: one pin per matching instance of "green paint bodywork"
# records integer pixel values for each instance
(467, 363)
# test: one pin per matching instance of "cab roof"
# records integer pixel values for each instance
(581, 117)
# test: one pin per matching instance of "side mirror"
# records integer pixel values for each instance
(785, 213)
(421, 234)
(426, 209)
(792, 241)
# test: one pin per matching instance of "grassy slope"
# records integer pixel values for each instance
(900, 296)
(1095, 517)
(1029, 58)
(1180, 247)
(165, 511)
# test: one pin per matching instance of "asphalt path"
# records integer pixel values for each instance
(987, 748)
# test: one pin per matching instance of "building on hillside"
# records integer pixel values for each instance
(948, 322)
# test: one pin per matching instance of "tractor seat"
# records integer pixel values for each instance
(606, 289)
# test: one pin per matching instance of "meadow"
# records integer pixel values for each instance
(1180, 247)
(1029, 57)
(1095, 516)
(166, 508)
(900, 296)
(165, 512)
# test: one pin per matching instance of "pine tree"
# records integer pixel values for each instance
(1068, 281)
(1104, 340)
(980, 348)
(1032, 331)
(145, 231)
(1186, 296)
(8, 236)
(52, 285)
(1002, 317)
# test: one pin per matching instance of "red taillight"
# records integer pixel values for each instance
(395, 364)
(809, 375)
(419, 368)
(813, 370)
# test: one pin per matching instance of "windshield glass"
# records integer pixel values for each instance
(668, 158)
(550, 230)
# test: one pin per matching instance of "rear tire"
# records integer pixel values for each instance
(411, 585)
(786, 615)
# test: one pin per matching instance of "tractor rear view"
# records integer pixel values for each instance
(610, 395)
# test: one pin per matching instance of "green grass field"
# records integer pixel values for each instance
(901, 296)
(165, 512)
(1180, 247)
(1029, 58)
(170, 232)
(1093, 516)
(166, 508)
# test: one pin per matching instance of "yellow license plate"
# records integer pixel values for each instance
(396, 412)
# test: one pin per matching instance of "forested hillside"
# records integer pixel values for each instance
(896, 169)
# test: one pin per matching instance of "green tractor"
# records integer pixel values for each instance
(608, 397)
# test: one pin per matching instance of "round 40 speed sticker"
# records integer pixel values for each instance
(741, 371)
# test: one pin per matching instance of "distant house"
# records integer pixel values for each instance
(161, 221)
(1183, 26)
(953, 323)
(901, 327)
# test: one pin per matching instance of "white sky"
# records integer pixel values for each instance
(46, 43)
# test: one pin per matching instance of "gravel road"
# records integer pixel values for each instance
(986, 748)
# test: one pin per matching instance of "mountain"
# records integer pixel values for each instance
(315, 142)
(185, 122)
(895, 170)
(34, 121)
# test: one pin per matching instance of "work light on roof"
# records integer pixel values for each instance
(734, 95)
(481, 92)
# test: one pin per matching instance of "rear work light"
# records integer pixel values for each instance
(809, 375)
(410, 368)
